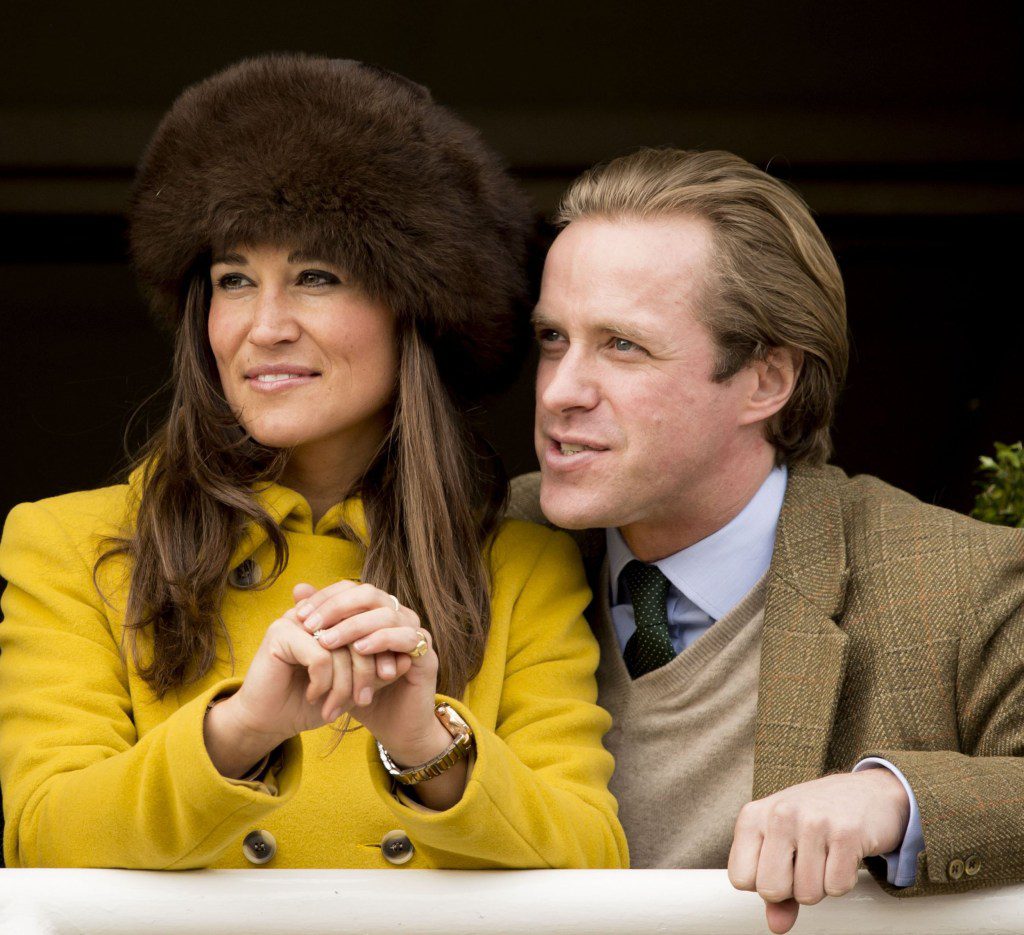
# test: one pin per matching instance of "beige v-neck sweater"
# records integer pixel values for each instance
(683, 738)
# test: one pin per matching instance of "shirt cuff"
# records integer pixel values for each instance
(901, 864)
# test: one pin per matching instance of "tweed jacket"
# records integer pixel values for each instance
(891, 629)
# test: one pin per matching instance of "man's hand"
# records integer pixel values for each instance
(806, 842)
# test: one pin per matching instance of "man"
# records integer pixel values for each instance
(805, 669)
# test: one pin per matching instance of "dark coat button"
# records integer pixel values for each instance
(259, 847)
(396, 847)
(245, 576)
(955, 870)
(972, 866)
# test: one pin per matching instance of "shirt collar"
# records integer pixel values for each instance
(717, 572)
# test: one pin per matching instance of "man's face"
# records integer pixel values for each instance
(630, 426)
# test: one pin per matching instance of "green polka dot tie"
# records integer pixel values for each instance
(650, 647)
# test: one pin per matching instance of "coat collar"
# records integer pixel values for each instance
(803, 651)
(288, 509)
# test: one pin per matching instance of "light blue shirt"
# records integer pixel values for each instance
(710, 578)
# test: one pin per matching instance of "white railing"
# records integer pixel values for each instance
(426, 902)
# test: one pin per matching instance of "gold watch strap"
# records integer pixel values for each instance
(462, 743)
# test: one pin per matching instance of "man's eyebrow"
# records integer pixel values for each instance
(631, 332)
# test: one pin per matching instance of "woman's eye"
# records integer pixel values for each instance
(231, 281)
(316, 277)
(547, 336)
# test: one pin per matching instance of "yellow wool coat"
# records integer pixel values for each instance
(97, 772)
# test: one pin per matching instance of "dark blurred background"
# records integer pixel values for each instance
(899, 122)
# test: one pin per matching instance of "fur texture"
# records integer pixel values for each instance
(354, 163)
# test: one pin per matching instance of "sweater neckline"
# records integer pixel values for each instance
(680, 673)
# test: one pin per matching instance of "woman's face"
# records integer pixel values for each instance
(306, 359)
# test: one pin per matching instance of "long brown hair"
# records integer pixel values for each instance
(432, 498)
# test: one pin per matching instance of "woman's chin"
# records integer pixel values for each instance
(280, 437)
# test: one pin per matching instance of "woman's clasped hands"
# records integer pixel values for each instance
(348, 648)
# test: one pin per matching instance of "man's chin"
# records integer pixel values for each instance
(570, 511)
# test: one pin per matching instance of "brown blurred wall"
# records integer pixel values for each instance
(900, 123)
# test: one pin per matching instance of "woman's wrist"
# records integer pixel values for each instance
(416, 749)
(233, 747)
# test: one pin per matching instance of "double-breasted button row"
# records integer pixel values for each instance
(396, 847)
(958, 868)
(245, 576)
(259, 847)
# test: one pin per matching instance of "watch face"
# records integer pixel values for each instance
(451, 721)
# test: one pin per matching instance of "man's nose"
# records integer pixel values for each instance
(273, 319)
(567, 383)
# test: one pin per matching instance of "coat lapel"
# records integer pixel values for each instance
(803, 652)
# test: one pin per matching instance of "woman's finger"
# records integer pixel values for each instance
(294, 647)
(364, 675)
(301, 592)
(311, 602)
(414, 644)
(339, 698)
(341, 605)
(362, 624)
(387, 669)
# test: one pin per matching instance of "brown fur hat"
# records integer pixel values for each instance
(353, 163)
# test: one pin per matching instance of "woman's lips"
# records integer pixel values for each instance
(279, 383)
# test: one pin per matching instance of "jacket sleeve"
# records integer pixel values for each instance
(970, 800)
(537, 794)
(80, 788)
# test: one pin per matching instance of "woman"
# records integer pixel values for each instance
(310, 545)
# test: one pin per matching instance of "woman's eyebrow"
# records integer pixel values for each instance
(236, 258)
(300, 256)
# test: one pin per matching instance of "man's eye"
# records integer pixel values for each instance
(621, 344)
(316, 277)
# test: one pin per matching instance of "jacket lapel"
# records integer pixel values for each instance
(803, 651)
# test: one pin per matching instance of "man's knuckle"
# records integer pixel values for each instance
(808, 896)
(836, 887)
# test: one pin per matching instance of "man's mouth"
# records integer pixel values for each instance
(568, 449)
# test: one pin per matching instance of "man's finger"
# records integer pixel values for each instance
(809, 871)
(775, 868)
(781, 916)
(841, 867)
(745, 851)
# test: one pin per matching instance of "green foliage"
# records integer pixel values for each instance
(1001, 500)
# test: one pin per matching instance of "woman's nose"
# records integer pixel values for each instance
(273, 319)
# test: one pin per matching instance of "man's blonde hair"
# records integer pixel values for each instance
(774, 282)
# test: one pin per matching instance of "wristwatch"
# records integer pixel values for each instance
(462, 743)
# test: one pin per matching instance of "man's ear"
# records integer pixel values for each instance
(776, 375)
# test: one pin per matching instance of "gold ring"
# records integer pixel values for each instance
(420, 649)
(394, 600)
